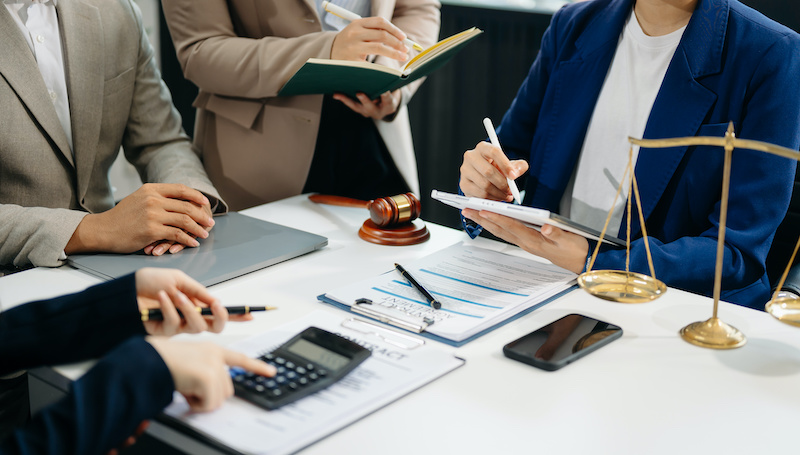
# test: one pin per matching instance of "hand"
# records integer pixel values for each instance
(562, 248)
(171, 290)
(378, 109)
(484, 172)
(162, 246)
(154, 212)
(199, 370)
(131, 440)
(369, 36)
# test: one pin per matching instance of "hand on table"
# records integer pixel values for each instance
(484, 172)
(171, 290)
(200, 371)
(153, 213)
(562, 248)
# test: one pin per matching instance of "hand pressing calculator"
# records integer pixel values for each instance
(309, 362)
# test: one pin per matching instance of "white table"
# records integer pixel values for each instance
(649, 392)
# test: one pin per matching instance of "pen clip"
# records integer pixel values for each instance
(390, 316)
(388, 335)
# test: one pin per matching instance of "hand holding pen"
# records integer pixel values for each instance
(368, 36)
(171, 291)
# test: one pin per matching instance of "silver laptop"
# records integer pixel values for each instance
(238, 244)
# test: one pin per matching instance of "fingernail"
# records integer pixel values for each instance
(174, 248)
(206, 201)
(159, 250)
(194, 242)
(211, 222)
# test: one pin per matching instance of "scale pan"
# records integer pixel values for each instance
(785, 309)
(620, 286)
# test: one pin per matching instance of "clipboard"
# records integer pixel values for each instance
(533, 217)
(408, 323)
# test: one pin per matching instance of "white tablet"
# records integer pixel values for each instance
(533, 217)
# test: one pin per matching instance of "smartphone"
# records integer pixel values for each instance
(562, 342)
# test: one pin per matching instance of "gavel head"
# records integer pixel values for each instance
(393, 210)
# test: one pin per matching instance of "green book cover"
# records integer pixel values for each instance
(325, 76)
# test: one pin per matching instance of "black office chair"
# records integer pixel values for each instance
(784, 243)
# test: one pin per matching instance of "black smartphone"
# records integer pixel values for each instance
(562, 342)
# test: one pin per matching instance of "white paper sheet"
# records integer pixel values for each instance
(478, 288)
(389, 373)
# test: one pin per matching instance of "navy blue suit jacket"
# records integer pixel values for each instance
(130, 384)
(732, 64)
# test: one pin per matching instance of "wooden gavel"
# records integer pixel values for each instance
(384, 212)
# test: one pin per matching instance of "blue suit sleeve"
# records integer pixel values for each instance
(70, 328)
(103, 408)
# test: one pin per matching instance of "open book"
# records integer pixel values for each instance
(350, 77)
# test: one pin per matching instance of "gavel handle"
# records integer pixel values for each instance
(338, 200)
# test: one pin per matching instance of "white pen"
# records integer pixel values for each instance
(351, 16)
(487, 123)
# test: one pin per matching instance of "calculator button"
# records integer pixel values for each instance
(302, 381)
(261, 380)
(238, 379)
(291, 375)
(313, 376)
(300, 370)
(260, 388)
(322, 373)
(280, 360)
(249, 384)
(280, 370)
(292, 385)
(271, 384)
(268, 357)
(309, 366)
(277, 393)
(290, 365)
(280, 379)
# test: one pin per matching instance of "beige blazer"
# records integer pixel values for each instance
(258, 147)
(116, 98)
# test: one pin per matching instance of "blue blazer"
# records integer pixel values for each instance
(130, 384)
(732, 64)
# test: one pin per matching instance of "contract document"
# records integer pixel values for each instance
(478, 289)
(399, 364)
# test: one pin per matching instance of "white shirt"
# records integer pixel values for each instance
(622, 110)
(38, 22)
(334, 23)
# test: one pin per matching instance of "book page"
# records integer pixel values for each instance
(438, 48)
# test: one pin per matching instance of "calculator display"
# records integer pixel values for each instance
(318, 354)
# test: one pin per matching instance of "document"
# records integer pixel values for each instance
(478, 289)
(399, 364)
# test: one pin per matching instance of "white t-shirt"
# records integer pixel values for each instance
(334, 23)
(622, 110)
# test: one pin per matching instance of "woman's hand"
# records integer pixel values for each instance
(369, 36)
(378, 109)
(562, 248)
(200, 370)
(484, 172)
(172, 290)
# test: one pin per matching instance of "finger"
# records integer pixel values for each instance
(176, 248)
(193, 289)
(353, 105)
(219, 317)
(380, 23)
(149, 248)
(162, 248)
(240, 317)
(186, 216)
(499, 159)
(171, 322)
(237, 359)
(182, 192)
(193, 322)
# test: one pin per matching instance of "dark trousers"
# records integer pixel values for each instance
(350, 158)
(14, 403)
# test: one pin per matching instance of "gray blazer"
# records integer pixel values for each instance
(117, 98)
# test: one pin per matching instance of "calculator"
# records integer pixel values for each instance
(311, 361)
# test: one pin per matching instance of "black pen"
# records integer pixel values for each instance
(435, 304)
(155, 314)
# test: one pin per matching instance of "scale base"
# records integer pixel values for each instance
(785, 309)
(713, 334)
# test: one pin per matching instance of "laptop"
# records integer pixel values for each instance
(237, 245)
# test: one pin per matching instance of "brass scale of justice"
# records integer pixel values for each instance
(630, 287)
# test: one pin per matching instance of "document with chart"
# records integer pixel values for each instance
(399, 363)
(478, 289)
